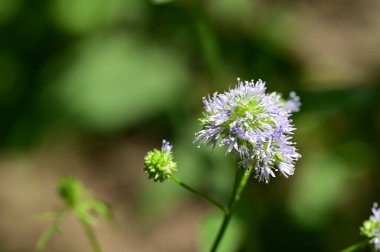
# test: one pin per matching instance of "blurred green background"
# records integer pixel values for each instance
(88, 86)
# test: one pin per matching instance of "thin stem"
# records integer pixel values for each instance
(238, 189)
(355, 246)
(199, 194)
(91, 236)
(52, 230)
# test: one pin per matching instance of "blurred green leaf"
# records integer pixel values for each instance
(319, 187)
(161, 1)
(195, 164)
(209, 228)
(8, 9)
(157, 199)
(117, 81)
(341, 99)
(10, 74)
(235, 12)
(90, 15)
(83, 212)
(101, 208)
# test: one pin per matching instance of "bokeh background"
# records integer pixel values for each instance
(88, 86)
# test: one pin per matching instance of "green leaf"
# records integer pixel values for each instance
(209, 228)
(320, 183)
(83, 212)
(195, 164)
(101, 208)
(90, 15)
(9, 9)
(158, 199)
(119, 80)
(161, 1)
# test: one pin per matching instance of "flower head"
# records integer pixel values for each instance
(159, 164)
(371, 227)
(254, 125)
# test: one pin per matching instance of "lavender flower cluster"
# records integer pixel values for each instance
(254, 125)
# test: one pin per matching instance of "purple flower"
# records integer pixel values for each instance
(166, 146)
(254, 125)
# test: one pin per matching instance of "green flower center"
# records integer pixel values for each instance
(368, 228)
(159, 165)
(253, 107)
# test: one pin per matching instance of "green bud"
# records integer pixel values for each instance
(70, 190)
(159, 164)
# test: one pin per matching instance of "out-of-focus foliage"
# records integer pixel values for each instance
(326, 181)
(209, 228)
(101, 82)
(93, 15)
(109, 82)
(8, 10)
(78, 199)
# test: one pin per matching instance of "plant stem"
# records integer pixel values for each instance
(199, 194)
(52, 230)
(91, 236)
(237, 190)
(355, 246)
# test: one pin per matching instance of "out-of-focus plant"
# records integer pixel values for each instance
(254, 126)
(79, 200)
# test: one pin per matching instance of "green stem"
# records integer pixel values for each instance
(238, 189)
(52, 230)
(199, 194)
(355, 246)
(91, 236)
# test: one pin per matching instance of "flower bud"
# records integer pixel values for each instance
(70, 190)
(159, 164)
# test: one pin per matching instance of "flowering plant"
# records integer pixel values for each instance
(254, 126)
(80, 201)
